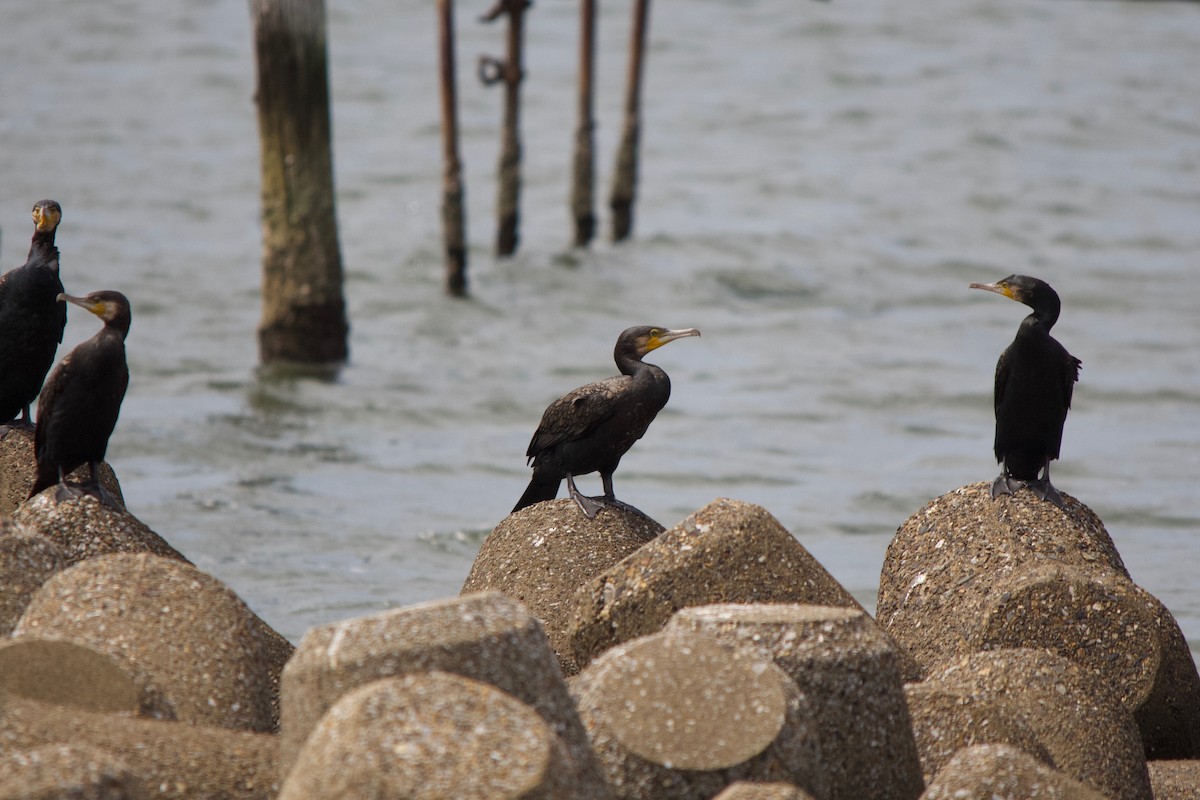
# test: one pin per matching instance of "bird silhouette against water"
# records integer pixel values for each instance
(81, 400)
(1035, 378)
(590, 428)
(31, 319)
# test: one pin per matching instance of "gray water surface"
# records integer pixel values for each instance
(820, 182)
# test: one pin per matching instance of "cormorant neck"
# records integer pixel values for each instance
(629, 364)
(1045, 313)
(42, 246)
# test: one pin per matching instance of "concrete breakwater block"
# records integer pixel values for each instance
(432, 734)
(27, 560)
(946, 556)
(1088, 733)
(541, 554)
(969, 573)
(67, 772)
(175, 760)
(1003, 772)
(487, 637)
(66, 673)
(946, 719)
(18, 470)
(1117, 632)
(848, 670)
(1175, 780)
(683, 716)
(185, 638)
(85, 528)
(727, 552)
(745, 790)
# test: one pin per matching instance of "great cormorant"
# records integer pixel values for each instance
(31, 319)
(79, 404)
(1035, 378)
(589, 429)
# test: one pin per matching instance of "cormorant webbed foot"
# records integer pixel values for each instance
(1046, 491)
(1006, 484)
(590, 506)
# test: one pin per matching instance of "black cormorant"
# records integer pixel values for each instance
(78, 408)
(589, 429)
(1035, 378)
(31, 318)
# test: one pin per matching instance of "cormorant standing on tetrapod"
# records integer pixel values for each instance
(589, 429)
(81, 400)
(1035, 378)
(31, 319)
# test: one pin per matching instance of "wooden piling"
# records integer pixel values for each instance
(304, 313)
(510, 71)
(584, 166)
(454, 212)
(624, 186)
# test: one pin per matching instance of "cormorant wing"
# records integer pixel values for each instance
(48, 401)
(576, 414)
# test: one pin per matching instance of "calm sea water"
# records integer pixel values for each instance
(820, 183)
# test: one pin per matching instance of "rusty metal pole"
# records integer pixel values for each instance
(624, 186)
(510, 71)
(454, 219)
(584, 166)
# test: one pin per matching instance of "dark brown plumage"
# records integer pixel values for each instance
(1035, 378)
(31, 318)
(589, 429)
(81, 400)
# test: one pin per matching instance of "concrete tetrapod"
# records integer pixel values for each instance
(541, 554)
(431, 735)
(683, 716)
(848, 671)
(487, 637)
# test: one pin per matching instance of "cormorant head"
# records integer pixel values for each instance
(638, 341)
(46, 215)
(110, 306)
(1033, 292)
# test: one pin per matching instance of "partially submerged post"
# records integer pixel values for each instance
(510, 71)
(304, 313)
(453, 211)
(624, 186)
(584, 168)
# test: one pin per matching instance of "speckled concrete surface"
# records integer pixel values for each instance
(968, 573)
(1175, 780)
(72, 674)
(18, 469)
(27, 560)
(1002, 772)
(177, 761)
(427, 736)
(179, 632)
(488, 637)
(948, 555)
(540, 556)
(727, 552)
(1086, 730)
(946, 719)
(675, 715)
(85, 528)
(67, 772)
(1114, 630)
(744, 790)
(848, 670)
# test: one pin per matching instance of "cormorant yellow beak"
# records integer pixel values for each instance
(97, 307)
(658, 337)
(46, 217)
(1000, 287)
